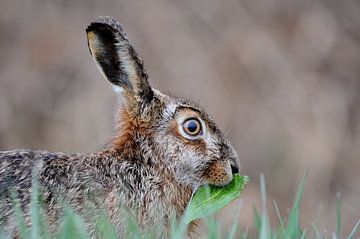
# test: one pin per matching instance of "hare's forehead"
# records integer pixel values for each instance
(172, 105)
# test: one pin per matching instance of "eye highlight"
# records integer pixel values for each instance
(192, 127)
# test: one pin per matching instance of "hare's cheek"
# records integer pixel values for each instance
(218, 173)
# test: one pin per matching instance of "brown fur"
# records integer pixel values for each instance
(129, 126)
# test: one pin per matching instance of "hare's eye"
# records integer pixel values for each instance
(192, 127)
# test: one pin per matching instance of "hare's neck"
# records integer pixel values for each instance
(178, 193)
(166, 200)
(157, 190)
(149, 190)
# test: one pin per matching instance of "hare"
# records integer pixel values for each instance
(163, 149)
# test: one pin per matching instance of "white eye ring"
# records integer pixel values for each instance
(192, 128)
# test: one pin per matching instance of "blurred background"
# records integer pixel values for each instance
(281, 77)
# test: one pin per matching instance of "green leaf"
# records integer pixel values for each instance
(208, 200)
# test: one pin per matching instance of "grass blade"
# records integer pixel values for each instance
(257, 218)
(317, 233)
(235, 225)
(105, 229)
(278, 214)
(19, 217)
(353, 231)
(303, 236)
(293, 228)
(264, 226)
(73, 227)
(34, 209)
(338, 215)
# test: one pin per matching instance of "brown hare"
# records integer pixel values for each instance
(164, 148)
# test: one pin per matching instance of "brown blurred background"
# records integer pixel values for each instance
(282, 77)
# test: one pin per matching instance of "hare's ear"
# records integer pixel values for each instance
(118, 60)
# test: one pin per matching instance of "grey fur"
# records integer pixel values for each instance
(149, 168)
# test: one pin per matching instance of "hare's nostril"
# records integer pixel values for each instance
(234, 169)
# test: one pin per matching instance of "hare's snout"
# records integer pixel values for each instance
(220, 172)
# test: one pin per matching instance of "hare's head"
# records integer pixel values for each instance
(155, 127)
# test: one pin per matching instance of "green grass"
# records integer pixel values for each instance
(73, 226)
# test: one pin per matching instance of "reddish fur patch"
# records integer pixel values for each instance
(130, 127)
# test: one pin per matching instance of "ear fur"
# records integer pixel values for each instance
(117, 59)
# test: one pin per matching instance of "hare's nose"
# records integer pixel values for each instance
(234, 165)
(234, 169)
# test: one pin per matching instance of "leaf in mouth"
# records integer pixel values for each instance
(209, 199)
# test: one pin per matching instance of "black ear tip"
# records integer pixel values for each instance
(93, 27)
(103, 32)
(108, 23)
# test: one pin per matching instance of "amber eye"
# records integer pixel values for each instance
(192, 127)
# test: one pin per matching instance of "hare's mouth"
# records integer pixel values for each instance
(222, 183)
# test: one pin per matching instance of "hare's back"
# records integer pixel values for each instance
(25, 161)
(17, 168)
(28, 155)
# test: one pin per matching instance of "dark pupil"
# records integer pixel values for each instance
(192, 126)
